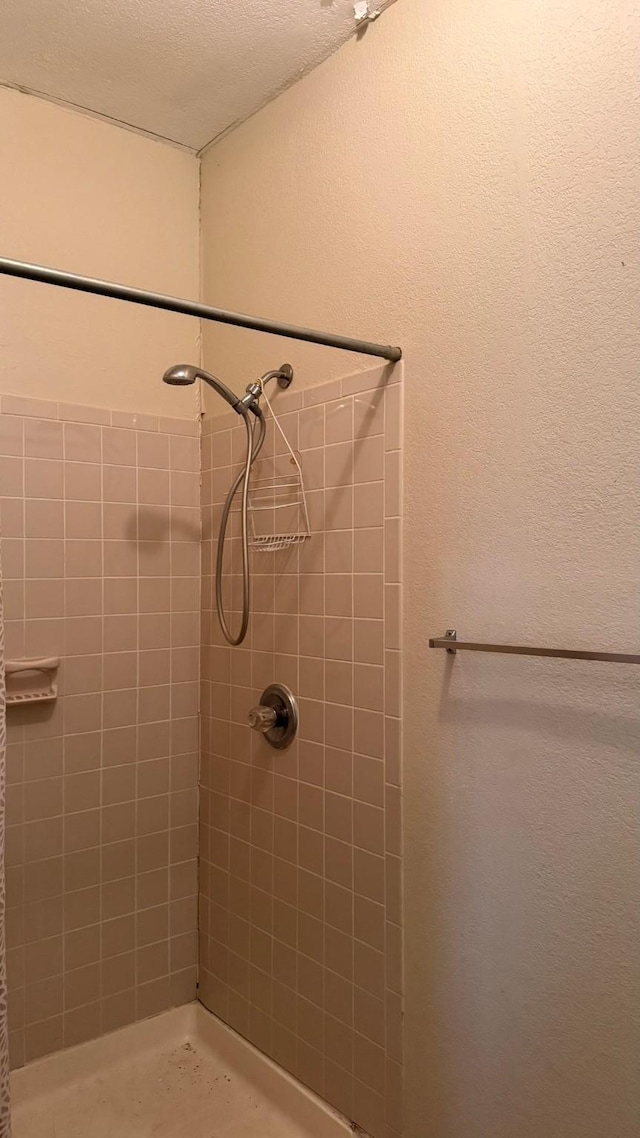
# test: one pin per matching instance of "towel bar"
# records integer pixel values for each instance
(452, 645)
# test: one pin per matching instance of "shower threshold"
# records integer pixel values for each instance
(182, 1074)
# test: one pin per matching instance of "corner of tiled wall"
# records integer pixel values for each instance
(301, 907)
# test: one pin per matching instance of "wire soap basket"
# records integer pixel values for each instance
(278, 514)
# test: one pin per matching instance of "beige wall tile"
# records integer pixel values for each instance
(42, 519)
(153, 450)
(83, 520)
(12, 435)
(43, 438)
(42, 1038)
(43, 478)
(82, 482)
(118, 446)
(90, 854)
(81, 1024)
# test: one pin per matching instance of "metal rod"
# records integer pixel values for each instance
(452, 645)
(192, 308)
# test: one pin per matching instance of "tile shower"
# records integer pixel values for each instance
(106, 518)
(300, 884)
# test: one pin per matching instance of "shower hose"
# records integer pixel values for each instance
(255, 439)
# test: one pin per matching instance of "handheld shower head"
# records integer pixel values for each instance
(181, 375)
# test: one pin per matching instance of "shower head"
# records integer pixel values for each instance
(181, 375)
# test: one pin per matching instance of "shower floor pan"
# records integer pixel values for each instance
(182, 1074)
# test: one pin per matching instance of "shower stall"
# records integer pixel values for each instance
(203, 755)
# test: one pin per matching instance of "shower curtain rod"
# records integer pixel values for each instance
(191, 308)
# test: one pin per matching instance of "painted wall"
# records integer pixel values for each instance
(464, 180)
(83, 195)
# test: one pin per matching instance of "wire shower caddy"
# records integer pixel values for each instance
(278, 513)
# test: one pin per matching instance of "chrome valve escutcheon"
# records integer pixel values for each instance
(276, 716)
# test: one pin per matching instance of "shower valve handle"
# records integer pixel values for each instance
(276, 716)
(263, 718)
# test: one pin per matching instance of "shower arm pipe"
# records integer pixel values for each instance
(41, 273)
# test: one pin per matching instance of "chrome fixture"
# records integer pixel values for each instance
(452, 645)
(184, 374)
(276, 716)
(44, 275)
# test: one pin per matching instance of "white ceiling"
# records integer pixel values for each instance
(185, 70)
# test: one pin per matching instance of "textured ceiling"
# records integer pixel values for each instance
(185, 70)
